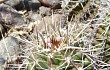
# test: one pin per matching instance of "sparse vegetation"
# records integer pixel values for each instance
(78, 39)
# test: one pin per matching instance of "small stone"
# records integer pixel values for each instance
(12, 3)
(10, 16)
(9, 48)
(55, 4)
(2, 61)
(35, 4)
(28, 5)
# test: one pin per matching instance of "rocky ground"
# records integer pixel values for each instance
(54, 35)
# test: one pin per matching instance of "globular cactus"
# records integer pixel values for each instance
(87, 48)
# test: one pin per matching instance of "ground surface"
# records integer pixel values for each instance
(55, 35)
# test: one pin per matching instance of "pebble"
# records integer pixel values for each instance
(2, 62)
(10, 16)
(9, 48)
(12, 3)
(28, 5)
(55, 4)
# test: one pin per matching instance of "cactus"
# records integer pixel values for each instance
(84, 54)
(83, 45)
